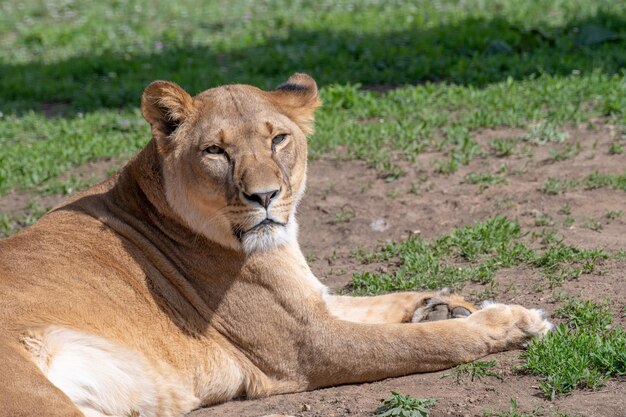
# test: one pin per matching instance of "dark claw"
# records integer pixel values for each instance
(435, 309)
(439, 312)
(460, 312)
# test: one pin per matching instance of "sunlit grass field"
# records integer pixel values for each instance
(460, 66)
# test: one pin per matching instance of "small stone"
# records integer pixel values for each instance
(379, 224)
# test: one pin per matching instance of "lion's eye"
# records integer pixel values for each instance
(278, 139)
(214, 150)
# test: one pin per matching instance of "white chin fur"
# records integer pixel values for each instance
(265, 240)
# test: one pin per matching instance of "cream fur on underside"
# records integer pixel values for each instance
(103, 378)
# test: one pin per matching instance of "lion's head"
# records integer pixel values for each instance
(234, 157)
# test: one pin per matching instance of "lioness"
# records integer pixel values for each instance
(179, 282)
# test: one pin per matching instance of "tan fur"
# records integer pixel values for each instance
(160, 290)
(392, 308)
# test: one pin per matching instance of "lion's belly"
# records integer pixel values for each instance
(101, 376)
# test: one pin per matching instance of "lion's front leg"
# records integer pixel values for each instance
(340, 352)
(402, 307)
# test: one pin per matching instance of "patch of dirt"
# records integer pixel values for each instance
(461, 399)
(348, 207)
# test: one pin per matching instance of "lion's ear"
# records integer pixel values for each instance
(298, 98)
(165, 105)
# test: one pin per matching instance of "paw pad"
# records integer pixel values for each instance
(437, 309)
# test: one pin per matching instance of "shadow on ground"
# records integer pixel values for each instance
(473, 52)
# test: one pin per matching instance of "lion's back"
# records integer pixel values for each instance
(64, 265)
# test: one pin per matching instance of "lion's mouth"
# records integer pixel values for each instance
(266, 224)
(263, 226)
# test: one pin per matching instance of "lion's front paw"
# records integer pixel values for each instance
(509, 326)
(443, 305)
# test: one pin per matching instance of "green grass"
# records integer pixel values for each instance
(503, 147)
(100, 54)
(545, 132)
(565, 209)
(592, 181)
(592, 224)
(464, 66)
(616, 148)
(514, 411)
(37, 149)
(345, 215)
(568, 221)
(543, 220)
(568, 151)
(560, 262)
(613, 214)
(473, 370)
(583, 352)
(400, 405)
(484, 179)
(472, 253)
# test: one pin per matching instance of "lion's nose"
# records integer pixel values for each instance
(264, 199)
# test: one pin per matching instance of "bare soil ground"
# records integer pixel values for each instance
(348, 207)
